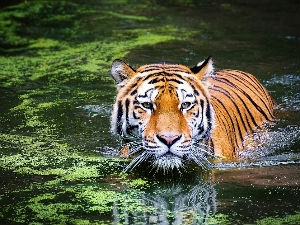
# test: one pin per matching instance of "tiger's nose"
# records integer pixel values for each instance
(168, 140)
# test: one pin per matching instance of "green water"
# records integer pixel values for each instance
(58, 161)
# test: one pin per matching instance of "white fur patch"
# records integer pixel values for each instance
(210, 68)
(144, 91)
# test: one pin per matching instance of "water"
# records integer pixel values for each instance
(58, 159)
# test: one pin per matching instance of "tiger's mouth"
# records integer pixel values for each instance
(165, 160)
(171, 160)
(168, 161)
(171, 155)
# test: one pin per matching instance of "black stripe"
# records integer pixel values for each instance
(201, 127)
(175, 70)
(145, 95)
(253, 79)
(177, 75)
(155, 80)
(226, 127)
(150, 75)
(135, 116)
(154, 66)
(167, 74)
(153, 147)
(200, 130)
(221, 119)
(193, 87)
(172, 66)
(175, 80)
(128, 126)
(152, 69)
(208, 115)
(190, 81)
(253, 91)
(119, 117)
(127, 102)
(196, 69)
(197, 115)
(246, 107)
(239, 78)
(231, 120)
(133, 92)
(137, 79)
(209, 123)
(229, 83)
(137, 107)
(193, 106)
(164, 74)
(235, 105)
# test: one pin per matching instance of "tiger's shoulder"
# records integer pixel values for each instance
(241, 104)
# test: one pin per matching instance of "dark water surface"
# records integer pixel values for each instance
(58, 161)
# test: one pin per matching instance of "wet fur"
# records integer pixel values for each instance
(226, 106)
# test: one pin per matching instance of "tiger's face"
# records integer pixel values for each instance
(167, 108)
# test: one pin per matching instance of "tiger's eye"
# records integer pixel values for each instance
(147, 105)
(185, 105)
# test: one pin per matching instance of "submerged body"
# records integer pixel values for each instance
(181, 113)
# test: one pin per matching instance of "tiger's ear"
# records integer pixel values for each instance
(121, 72)
(203, 69)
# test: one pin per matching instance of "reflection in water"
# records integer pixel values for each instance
(176, 204)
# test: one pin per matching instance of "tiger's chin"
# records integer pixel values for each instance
(168, 161)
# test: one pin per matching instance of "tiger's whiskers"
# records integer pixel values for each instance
(134, 150)
(199, 153)
(136, 161)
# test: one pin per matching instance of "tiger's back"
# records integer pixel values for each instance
(241, 104)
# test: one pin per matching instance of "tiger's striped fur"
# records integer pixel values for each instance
(183, 113)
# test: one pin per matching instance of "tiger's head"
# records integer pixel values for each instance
(166, 108)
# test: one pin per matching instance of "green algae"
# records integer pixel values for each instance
(288, 219)
(130, 17)
(67, 204)
(138, 183)
(55, 58)
(51, 74)
(64, 204)
(44, 158)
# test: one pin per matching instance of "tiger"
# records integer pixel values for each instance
(173, 114)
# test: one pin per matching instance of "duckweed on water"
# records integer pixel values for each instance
(59, 73)
(55, 58)
(52, 71)
(289, 219)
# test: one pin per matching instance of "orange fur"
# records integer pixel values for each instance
(239, 104)
(225, 144)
